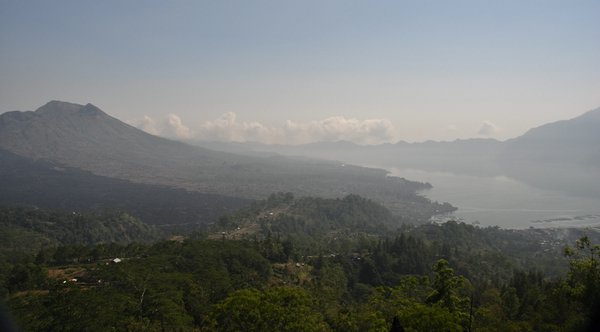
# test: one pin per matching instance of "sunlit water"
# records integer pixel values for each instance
(504, 202)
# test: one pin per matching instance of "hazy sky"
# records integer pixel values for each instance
(295, 71)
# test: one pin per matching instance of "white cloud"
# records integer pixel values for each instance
(228, 128)
(370, 131)
(174, 127)
(146, 124)
(171, 126)
(488, 129)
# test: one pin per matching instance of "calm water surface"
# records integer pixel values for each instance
(505, 202)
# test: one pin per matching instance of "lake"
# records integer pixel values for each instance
(504, 202)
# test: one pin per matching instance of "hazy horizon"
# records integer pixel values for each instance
(228, 130)
(104, 227)
(298, 72)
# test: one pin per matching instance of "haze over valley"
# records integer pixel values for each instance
(544, 178)
(347, 166)
(83, 137)
(72, 175)
(550, 172)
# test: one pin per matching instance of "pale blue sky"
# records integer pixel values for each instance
(432, 69)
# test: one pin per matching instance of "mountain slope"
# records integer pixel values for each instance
(43, 184)
(575, 141)
(87, 138)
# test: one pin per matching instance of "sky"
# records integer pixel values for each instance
(300, 71)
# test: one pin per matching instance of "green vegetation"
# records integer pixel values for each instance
(312, 265)
(29, 230)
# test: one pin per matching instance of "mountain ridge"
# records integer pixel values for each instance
(541, 157)
(572, 141)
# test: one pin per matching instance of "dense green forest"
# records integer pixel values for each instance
(310, 264)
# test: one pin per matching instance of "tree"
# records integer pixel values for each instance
(277, 309)
(26, 276)
(445, 287)
(583, 278)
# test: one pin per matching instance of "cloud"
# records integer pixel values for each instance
(228, 128)
(146, 124)
(336, 128)
(370, 131)
(171, 126)
(488, 129)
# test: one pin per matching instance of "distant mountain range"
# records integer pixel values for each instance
(573, 142)
(461, 156)
(89, 144)
(563, 155)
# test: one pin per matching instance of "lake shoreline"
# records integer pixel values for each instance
(503, 201)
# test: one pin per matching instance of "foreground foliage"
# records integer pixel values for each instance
(229, 285)
(29, 230)
(306, 264)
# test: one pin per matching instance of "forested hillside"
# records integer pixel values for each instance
(285, 214)
(315, 265)
(29, 230)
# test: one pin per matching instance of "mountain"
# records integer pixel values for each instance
(571, 142)
(84, 137)
(563, 156)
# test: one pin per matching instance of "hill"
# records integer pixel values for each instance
(286, 215)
